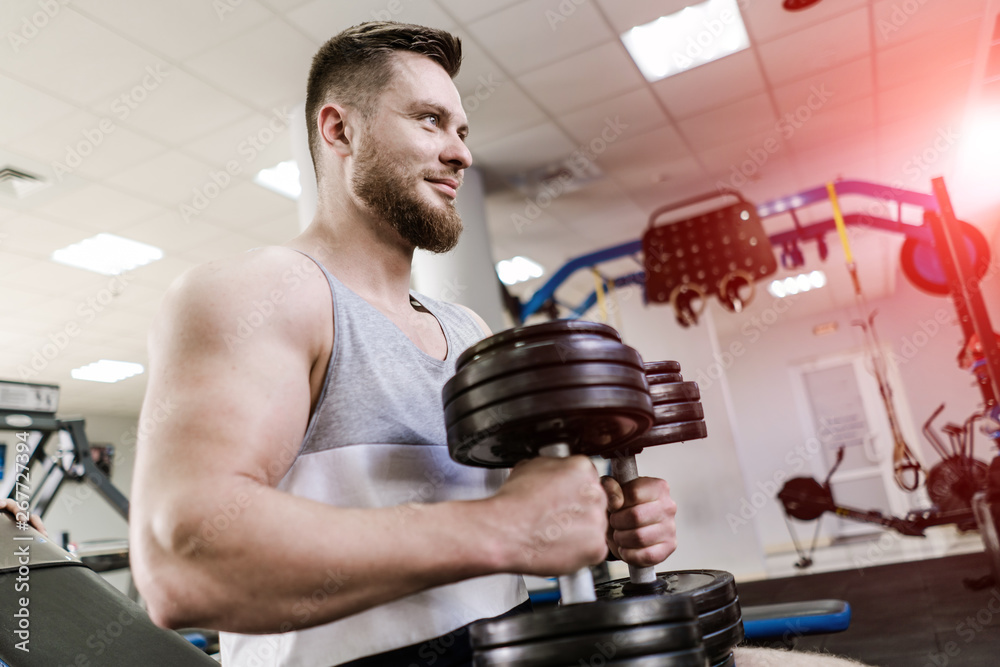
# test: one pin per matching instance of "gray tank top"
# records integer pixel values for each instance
(377, 439)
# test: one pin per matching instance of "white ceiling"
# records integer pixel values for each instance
(220, 75)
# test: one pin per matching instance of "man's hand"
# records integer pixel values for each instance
(641, 528)
(552, 514)
(11, 506)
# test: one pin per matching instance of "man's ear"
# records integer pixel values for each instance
(335, 128)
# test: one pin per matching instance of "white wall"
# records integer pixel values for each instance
(924, 351)
(704, 475)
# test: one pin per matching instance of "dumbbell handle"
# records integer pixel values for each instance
(624, 470)
(579, 586)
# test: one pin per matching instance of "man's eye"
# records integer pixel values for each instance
(433, 118)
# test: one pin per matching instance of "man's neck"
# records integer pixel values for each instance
(361, 257)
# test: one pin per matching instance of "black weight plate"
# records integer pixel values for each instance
(729, 661)
(665, 434)
(622, 643)
(720, 644)
(580, 619)
(590, 420)
(538, 380)
(711, 622)
(657, 367)
(710, 589)
(554, 329)
(674, 392)
(537, 354)
(663, 378)
(691, 658)
(673, 413)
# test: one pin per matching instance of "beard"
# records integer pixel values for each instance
(391, 195)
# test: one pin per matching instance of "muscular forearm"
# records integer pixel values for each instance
(250, 558)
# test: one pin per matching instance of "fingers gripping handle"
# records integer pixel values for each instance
(579, 586)
(624, 470)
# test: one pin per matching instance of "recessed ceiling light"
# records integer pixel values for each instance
(107, 370)
(282, 178)
(803, 282)
(518, 269)
(107, 254)
(693, 36)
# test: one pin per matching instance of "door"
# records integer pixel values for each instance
(840, 406)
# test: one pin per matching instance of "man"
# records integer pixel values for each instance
(301, 489)
(300, 496)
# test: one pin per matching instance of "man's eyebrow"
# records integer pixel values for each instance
(439, 110)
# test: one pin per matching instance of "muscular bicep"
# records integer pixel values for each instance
(229, 390)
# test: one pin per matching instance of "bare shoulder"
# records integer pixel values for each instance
(480, 321)
(272, 287)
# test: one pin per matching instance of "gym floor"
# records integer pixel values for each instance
(914, 614)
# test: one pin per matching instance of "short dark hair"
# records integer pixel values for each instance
(356, 65)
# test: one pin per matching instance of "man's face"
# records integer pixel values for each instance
(410, 161)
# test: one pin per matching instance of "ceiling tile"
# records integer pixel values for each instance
(768, 20)
(175, 107)
(855, 160)
(505, 111)
(729, 123)
(560, 88)
(243, 205)
(267, 66)
(322, 19)
(229, 245)
(283, 6)
(915, 149)
(86, 144)
(466, 12)
(177, 29)
(120, 63)
(816, 48)
(711, 85)
(828, 126)
(169, 232)
(99, 208)
(169, 179)
(637, 158)
(619, 118)
(277, 231)
(537, 32)
(897, 22)
(534, 147)
(829, 88)
(163, 272)
(626, 14)
(946, 88)
(36, 237)
(255, 142)
(746, 155)
(33, 111)
(912, 60)
(479, 75)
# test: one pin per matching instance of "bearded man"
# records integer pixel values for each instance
(277, 501)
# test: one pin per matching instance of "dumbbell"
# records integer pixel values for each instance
(679, 417)
(559, 388)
